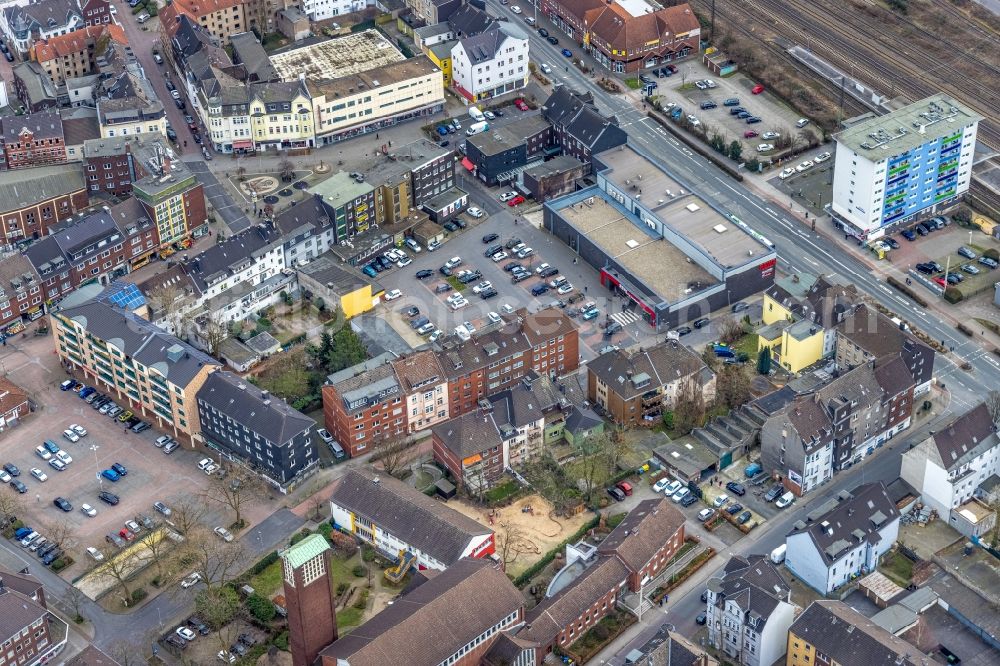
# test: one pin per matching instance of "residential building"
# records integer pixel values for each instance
(843, 539)
(451, 618)
(80, 125)
(866, 334)
(306, 230)
(222, 18)
(13, 403)
(23, 24)
(856, 413)
(831, 632)
(490, 64)
(32, 635)
(554, 178)
(892, 170)
(434, 11)
(635, 387)
(281, 116)
(669, 648)
(108, 163)
(126, 101)
(21, 298)
(33, 87)
(321, 10)
(96, 12)
(309, 600)
(950, 464)
(636, 242)
(578, 127)
(257, 429)
(32, 200)
(415, 174)
(620, 572)
(403, 523)
(151, 372)
(748, 611)
(801, 312)
(249, 54)
(170, 193)
(100, 247)
(426, 388)
(627, 37)
(293, 23)
(32, 140)
(363, 405)
(498, 155)
(438, 40)
(71, 55)
(349, 202)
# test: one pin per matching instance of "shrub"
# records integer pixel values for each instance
(668, 420)
(138, 595)
(281, 641)
(325, 530)
(362, 601)
(263, 563)
(962, 216)
(138, 9)
(359, 571)
(965, 329)
(299, 536)
(341, 588)
(601, 632)
(368, 555)
(992, 253)
(59, 564)
(953, 295)
(261, 607)
(156, 581)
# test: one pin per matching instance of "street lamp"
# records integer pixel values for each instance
(97, 464)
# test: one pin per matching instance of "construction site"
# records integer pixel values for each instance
(336, 58)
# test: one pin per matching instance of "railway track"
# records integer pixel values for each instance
(848, 39)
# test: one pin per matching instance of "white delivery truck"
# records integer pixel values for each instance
(476, 114)
(778, 554)
(477, 128)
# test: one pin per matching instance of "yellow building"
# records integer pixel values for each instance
(831, 633)
(440, 55)
(146, 370)
(338, 287)
(281, 116)
(799, 313)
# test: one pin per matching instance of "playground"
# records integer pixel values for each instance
(531, 525)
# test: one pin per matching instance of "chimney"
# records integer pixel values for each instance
(166, 164)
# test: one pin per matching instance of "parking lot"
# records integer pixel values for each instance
(152, 476)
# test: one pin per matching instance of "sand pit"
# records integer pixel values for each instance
(539, 531)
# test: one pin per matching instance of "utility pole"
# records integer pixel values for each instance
(841, 118)
(713, 21)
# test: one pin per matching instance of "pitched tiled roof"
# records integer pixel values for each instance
(848, 637)
(483, 47)
(17, 612)
(406, 513)
(215, 263)
(468, 20)
(418, 370)
(15, 267)
(42, 125)
(72, 42)
(12, 396)
(811, 422)
(80, 125)
(469, 434)
(965, 437)
(645, 529)
(267, 415)
(429, 624)
(878, 336)
(846, 520)
(755, 584)
(615, 25)
(633, 372)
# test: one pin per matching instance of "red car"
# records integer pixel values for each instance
(515, 201)
(520, 103)
(749, 134)
(126, 534)
(941, 281)
(757, 89)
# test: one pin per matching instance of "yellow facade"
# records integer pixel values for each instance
(793, 352)
(357, 302)
(443, 63)
(800, 652)
(158, 125)
(774, 311)
(294, 126)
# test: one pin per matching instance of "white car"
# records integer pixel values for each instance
(565, 289)
(42, 452)
(709, 83)
(499, 256)
(681, 493)
(693, 119)
(705, 514)
(176, 94)
(805, 166)
(515, 9)
(191, 580)
(95, 554)
(541, 268)
(454, 262)
(475, 212)
(64, 457)
(469, 326)
(765, 147)
(459, 304)
(454, 297)
(489, 115)
(546, 68)
(494, 318)
(435, 335)
(39, 474)
(70, 435)
(79, 430)
(204, 462)
(672, 488)
(226, 657)
(404, 262)
(4, 477)
(507, 196)
(223, 534)
(482, 286)
(770, 135)
(525, 252)
(186, 633)
(822, 157)
(721, 500)
(784, 500)
(163, 440)
(392, 295)
(211, 469)
(660, 485)
(88, 510)
(507, 308)
(701, 85)
(786, 173)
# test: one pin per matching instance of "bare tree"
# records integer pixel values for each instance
(74, 600)
(730, 330)
(120, 566)
(168, 304)
(11, 507)
(287, 169)
(218, 562)
(61, 532)
(618, 448)
(509, 539)
(218, 607)
(732, 386)
(689, 411)
(238, 490)
(593, 464)
(187, 514)
(158, 547)
(213, 331)
(392, 453)
(993, 404)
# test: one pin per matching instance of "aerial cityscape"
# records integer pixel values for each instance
(500, 332)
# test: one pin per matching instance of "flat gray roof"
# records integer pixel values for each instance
(907, 128)
(338, 57)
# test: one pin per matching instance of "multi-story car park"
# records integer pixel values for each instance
(894, 169)
(670, 253)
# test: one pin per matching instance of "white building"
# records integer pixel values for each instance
(749, 610)
(395, 518)
(843, 539)
(898, 168)
(23, 24)
(948, 467)
(320, 10)
(490, 64)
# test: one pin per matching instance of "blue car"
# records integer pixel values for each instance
(369, 271)
(567, 53)
(87, 390)
(22, 532)
(442, 130)
(110, 475)
(51, 446)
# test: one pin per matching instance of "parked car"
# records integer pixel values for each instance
(967, 253)
(705, 514)
(162, 508)
(736, 488)
(785, 500)
(110, 475)
(720, 500)
(616, 494)
(223, 534)
(774, 493)
(108, 498)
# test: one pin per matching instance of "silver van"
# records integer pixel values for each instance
(337, 450)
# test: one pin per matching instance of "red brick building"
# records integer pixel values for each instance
(21, 295)
(32, 200)
(627, 561)
(25, 630)
(96, 12)
(364, 405)
(33, 140)
(13, 403)
(627, 38)
(312, 610)
(108, 165)
(101, 246)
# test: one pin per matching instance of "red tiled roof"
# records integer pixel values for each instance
(11, 396)
(62, 45)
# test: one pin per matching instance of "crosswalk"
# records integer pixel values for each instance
(625, 318)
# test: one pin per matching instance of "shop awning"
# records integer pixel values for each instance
(467, 163)
(242, 145)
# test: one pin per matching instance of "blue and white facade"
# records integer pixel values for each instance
(896, 169)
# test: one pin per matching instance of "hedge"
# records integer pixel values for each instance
(953, 295)
(263, 563)
(547, 558)
(965, 329)
(899, 286)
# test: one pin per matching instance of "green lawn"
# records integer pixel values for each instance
(632, 83)
(898, 568)
(349, 617)
(748, 345)
(453, 281)
(267, 581)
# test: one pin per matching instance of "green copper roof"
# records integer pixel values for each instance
(305, 550)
